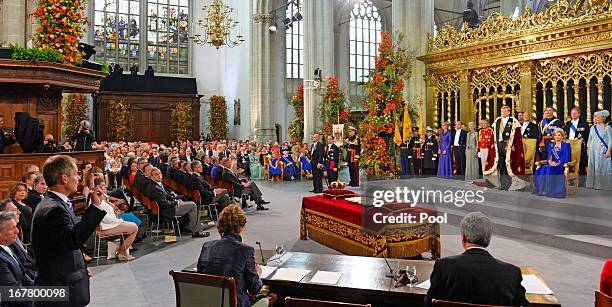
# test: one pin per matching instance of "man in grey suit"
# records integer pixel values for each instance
(57, 237)
(475, 276)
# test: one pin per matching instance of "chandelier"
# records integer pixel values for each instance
(218, 26)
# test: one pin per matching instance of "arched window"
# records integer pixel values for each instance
(364, 29)
(165, 45)
(117, 31)
(294, 38)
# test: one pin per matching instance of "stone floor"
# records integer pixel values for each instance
(145, 281)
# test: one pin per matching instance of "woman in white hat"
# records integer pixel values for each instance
(599, 172)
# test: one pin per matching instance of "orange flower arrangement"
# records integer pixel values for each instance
(74, 112)
(218, 118)
(296, 127)
(61, 26)
(384, 104)
(333, 107)
(180, 120)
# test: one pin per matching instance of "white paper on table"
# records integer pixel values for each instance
(324, 277)
(534, 285)
(267, 270)
(425, 285)
(290, 274)
(356, 199)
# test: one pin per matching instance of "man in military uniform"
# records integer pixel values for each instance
(430, 153)
(333, 159)
(353, 145)
(578, 129)
(405, 159)
(414, 144)
(546, 129)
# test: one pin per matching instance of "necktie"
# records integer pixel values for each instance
(69, 204)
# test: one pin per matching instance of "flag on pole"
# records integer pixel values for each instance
(397, 138)
(407, 124)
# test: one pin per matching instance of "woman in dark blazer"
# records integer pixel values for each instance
(232, 258)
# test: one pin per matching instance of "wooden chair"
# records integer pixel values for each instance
(212, 207)
(266, 168)
(300, 302)
(572, 177)
(441, 303)
(192, 289)
(602, 300)
(530, 146)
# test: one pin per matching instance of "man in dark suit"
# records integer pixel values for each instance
(529, 130)
(18, 249)
(57, 237)
(155, 159)
(317, 159)
(208, 193)
(139, 178)
(12, 272)
(459, 141)
(206, 166)
(578, 129)
(230, 257)
(36, 195)
(241, 186)
(170, 206)
(475, 276)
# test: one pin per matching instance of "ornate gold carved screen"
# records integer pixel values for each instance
(581, 81)
(495, 87)
(561, 57)
(447, 103)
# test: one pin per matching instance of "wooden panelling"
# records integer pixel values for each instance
(13, 166)
(151, 114)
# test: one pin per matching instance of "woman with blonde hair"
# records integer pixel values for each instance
(471, 153)
(445, 162)
(549, 178)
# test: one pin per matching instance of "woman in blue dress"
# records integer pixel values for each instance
(549, 179)
(274, 166)
(256, 171)
(306, 166)
(292, 172)
(445, 162)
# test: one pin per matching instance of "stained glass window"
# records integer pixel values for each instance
(117, 31)
(364, 38)
(165, 45)
(294, 38)
(168, 36)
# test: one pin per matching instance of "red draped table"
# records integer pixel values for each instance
(341, 225)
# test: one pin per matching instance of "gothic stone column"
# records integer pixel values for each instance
(261, 106)
(12, 22)
(415, 19)
(318, 53)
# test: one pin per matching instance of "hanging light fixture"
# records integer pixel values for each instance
(218, 26)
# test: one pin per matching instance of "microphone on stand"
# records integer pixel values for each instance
(391, 274)
(261, 252)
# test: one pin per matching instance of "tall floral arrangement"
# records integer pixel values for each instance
(296, 127)
(74, 111)
(180, 121)
(333, 106)
(384, 104)
(61, 26)
(120, 117)
(218, 118)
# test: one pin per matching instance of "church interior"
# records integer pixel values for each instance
(306, 153)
